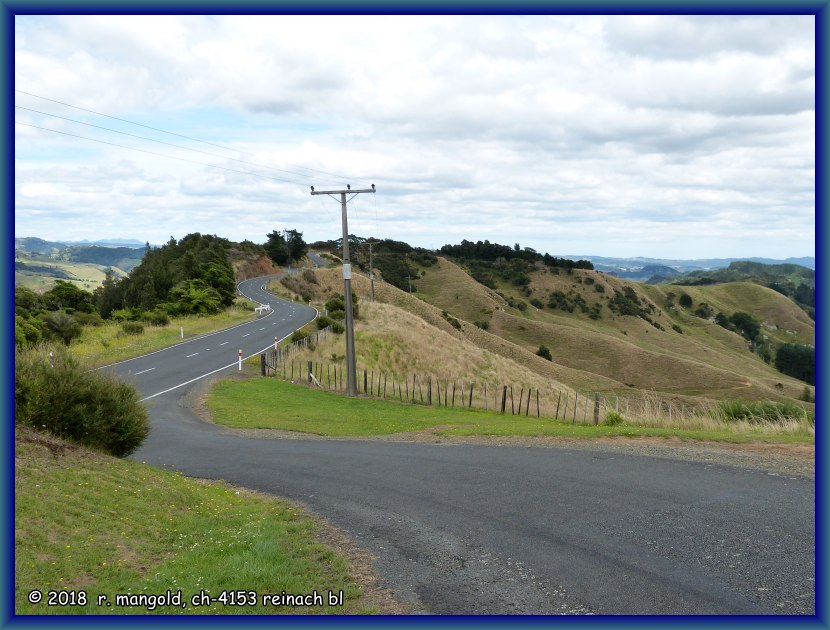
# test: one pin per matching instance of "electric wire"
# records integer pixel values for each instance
(172, 157)
(52, 100)
(169, 144)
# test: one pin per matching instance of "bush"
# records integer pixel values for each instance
(93, 409)
(88, 319)
(686, 300)
(677, 328)
(537, 303)
(807, 395)
(704, 311)
(338, 328)
(132, 328)
(613, 419)
(298, 335)
(156, 317)
(324, 322)
(599, 288)
(483, 324)
(59, 325)
(544, 352)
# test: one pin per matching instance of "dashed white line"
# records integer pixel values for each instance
(224, 344)
(191, 355)
(143, 371)
(262, 329)
(245, 335)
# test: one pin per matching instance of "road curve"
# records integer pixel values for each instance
(469, 529)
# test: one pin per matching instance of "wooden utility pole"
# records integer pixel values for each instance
(371, 271)
(351, 376)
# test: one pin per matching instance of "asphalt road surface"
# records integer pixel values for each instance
(469, 529)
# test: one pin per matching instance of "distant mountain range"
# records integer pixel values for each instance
(643, 269)
(39, 246)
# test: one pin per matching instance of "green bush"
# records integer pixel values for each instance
(298, 335)
(59, 325)
(613, 419)
(537, 303)
(338, 328)
(544, 352)
(156, 317)
(324, 322)
(132, 328)
(90, 408)
(677, 328)
(686, 300)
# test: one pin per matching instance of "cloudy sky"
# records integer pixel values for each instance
(676, 137)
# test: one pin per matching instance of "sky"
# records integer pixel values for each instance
(658, 136)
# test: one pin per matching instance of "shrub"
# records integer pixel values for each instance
(132, 328)
(704, 311)
(324, 322)
(599, 288)
(338, 328)
(298, 335)
(588, 280)
(309, 276)
(93, 409)
(156, 317)
(686, 300)
(613, 419)
(61, 326)
(544, 352)
(484, 324)
(88, 319)
(537, 303)
(677, 328)
(807, 395)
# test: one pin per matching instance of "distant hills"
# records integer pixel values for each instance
(643, 269)
(39, 246)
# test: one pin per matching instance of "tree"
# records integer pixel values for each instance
(277, 248)
(544, 352)
(62, 326)
(297, 247)
(685, 300)
(65, 295)
(797, 361)
(746, 325)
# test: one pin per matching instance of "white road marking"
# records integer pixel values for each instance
(143, 371)
(191, 355)
(245, 335)
(262, 329)
(224, 344)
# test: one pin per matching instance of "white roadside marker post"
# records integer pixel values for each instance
(240, 360)
(181, 331)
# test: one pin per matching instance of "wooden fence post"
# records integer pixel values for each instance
(485, 396)
(310, 370)
(504, 399)
(365, 380)
(429, 390)
(537, 404)
(262, 364)
(453, 393)
(596, 408)
(527, 404)
(512, 404)
(521, 399)
(576, 401)
(472, 385)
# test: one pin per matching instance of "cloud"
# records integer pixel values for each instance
(550, 130)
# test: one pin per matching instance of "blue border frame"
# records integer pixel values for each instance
(10, 8)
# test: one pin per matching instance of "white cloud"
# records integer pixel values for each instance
(510, 128)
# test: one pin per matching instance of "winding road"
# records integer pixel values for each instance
(479, 529)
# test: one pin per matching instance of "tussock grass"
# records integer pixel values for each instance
(92, 522)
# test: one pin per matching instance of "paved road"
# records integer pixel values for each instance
(492, 530)
(179, 366)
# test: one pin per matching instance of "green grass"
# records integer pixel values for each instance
(101, 345)
(90, 522)
(274, 404)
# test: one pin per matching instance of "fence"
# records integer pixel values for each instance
(282, 362)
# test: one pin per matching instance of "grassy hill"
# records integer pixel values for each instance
(614, 354)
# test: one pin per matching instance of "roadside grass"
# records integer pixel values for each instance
(86, 521)
(273, 404)
(101, 345)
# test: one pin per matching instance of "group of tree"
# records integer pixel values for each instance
(285, 247)
(189, 276)
(494, 252)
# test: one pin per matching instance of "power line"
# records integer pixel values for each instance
(172, 157)
(169, 144)
(52, 100)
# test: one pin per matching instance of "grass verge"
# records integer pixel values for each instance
(101, 345)
(273, 404)
(93, 523)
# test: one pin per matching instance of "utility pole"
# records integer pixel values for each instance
(371, 271)
(351, 374)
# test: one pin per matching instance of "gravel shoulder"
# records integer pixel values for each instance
(794, 460)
